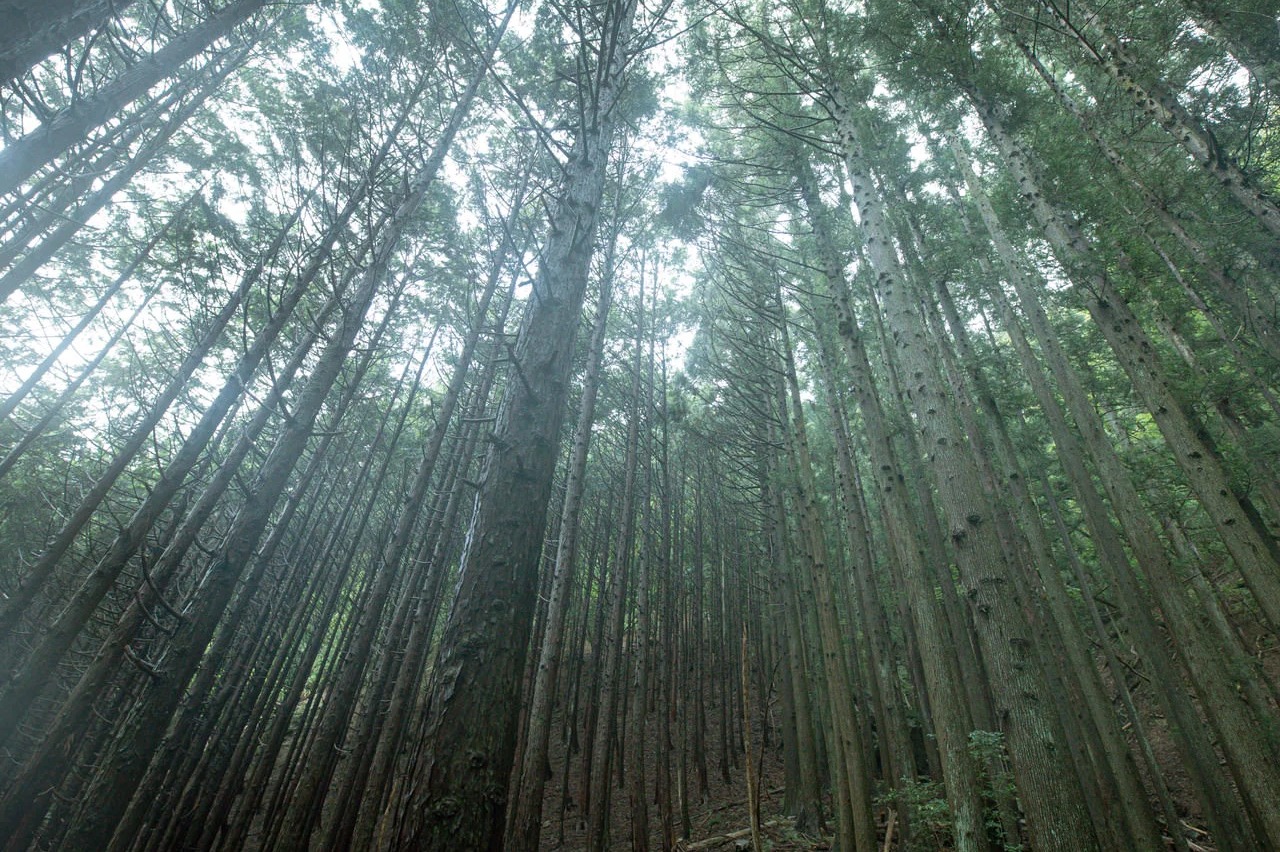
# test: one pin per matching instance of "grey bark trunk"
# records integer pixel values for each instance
(461, 785)
(1056, 814)
(526, 825)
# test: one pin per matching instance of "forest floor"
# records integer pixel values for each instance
(720, 822)
(719, 818)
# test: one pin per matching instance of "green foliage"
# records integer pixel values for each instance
(928, 814)
(927, 807)
(998, 788)
(680, 200)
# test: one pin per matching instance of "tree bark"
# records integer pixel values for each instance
(461, 786)
(530, 787)
(935, 648)
(1054, 805)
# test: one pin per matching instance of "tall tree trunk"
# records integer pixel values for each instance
(459, 795)
(803, 793)
(609, 661)
(936, 651)
(844, 715)
(1054, 804)
(434, 569)
(530, 787)
(1163, 581)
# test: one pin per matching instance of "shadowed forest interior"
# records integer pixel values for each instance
(639, 424)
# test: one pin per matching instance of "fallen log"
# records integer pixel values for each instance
(720, 839)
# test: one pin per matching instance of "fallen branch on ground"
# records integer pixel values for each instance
(720, 839)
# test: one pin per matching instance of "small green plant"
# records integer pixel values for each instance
(928, 814)
(999, 793)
